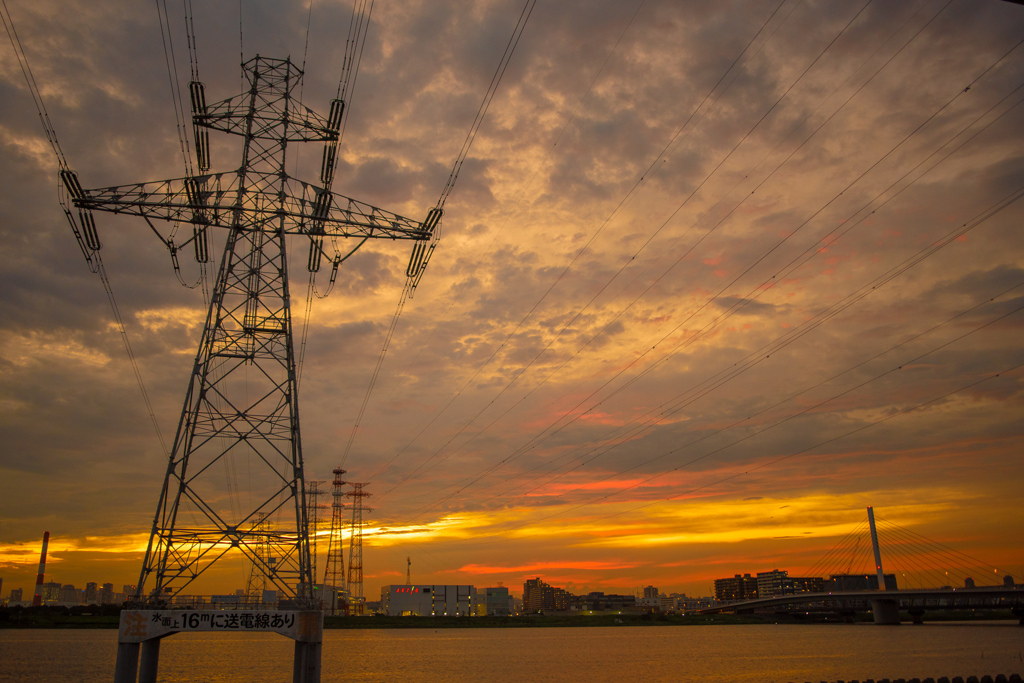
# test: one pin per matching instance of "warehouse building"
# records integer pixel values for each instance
(426, 601)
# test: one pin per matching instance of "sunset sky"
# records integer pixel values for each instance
(715, 277)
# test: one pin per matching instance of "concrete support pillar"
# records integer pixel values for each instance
(917, 616)
(885, 611)
(149, 662)
(307, 662)
(127, 662)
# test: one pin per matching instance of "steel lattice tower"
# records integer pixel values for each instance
(334, 576)
(355, 547)
(257, 583)
(241, 407)
(313, 508)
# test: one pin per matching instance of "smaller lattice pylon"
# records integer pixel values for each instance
(261, 561)
(334, 573)
(355, 547)
(314, 515)
(408, 570)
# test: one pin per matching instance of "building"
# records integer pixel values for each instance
(496, 603)
(601, 602)
(770, 584)
(51, 592)
(736, 589)
(652, 600)
(807, 584)
(16, 598)
(533, 595)
(107, 594)
(427, 601)
(69, 595)
(539, 597)
(776, 582)
(684, 603)
(92, 593)
(840, 583)
(478, 605)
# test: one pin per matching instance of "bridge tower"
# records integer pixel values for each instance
(885, 611)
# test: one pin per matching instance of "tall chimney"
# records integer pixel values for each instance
(38, 599)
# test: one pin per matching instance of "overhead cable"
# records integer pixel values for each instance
(423, 250)
(572, 415)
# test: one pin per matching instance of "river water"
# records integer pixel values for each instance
(733, 653)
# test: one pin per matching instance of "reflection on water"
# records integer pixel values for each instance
(735, 653)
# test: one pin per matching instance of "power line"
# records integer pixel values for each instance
(573, 261)
(637, 358)
(651, 169)
(458, 293)
(423, 250)
(864, 291)
(1006, 371)
(757, 291)
(86, 237)
(33, 88)
(755, 357)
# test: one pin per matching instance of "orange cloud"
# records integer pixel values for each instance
(538, 567)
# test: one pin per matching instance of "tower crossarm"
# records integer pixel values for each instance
(304, 209)
(232, 116)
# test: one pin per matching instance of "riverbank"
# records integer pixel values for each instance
(108, 616)
(539, 621)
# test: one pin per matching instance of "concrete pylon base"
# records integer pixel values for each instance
(886, 612)
(142, 629)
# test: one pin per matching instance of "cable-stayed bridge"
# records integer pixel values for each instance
(883, 604)
(946, 579)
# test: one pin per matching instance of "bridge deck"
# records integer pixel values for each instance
(941, 598)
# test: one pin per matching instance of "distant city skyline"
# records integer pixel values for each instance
(713, 280)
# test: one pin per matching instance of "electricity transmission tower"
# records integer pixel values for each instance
(334, 576)
(355, 547)
(313, 507)
(256, 586)
(241, 410)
